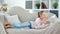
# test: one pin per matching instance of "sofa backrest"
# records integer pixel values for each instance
(1, 17)
(24, 15)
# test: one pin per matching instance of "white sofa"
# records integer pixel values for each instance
(2, 30)
(24, 16)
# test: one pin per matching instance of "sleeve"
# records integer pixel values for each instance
(36, 24)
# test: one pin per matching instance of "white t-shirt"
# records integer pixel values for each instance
(38, 23)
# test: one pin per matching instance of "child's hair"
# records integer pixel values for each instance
(40, 13)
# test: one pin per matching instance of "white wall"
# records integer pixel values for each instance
(59, 9)
(12, 3)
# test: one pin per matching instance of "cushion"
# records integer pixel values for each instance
(12, 19)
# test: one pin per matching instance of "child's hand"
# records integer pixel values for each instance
(46, 22)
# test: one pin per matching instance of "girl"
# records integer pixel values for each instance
(41, 19)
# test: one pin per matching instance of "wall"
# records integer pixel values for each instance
(12, 3)
(59, 9)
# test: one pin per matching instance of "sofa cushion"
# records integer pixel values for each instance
(12, 19)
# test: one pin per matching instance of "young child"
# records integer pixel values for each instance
(41, 18)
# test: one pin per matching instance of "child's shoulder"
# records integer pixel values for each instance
(38, 18)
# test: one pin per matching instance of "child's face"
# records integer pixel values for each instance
(43, 15)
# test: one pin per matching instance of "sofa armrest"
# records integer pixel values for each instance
(2, 30)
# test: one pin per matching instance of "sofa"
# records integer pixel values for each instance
(2, 29)
(24, 15)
